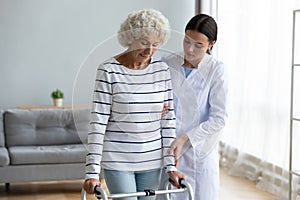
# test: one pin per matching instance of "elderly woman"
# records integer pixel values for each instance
(128, 137)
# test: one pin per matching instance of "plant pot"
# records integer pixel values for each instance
(58, 102)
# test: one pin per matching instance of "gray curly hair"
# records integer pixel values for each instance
(144, 23)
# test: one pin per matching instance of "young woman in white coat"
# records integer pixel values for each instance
(200, 94)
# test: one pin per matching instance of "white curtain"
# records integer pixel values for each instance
(255, 42)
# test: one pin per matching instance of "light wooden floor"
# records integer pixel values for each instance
(232, 188)
(237, 188)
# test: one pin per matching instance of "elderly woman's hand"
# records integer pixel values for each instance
(175, 176)
(90, 184)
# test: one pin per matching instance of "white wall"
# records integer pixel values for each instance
(43, 43)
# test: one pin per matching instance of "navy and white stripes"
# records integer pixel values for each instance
(127, 131)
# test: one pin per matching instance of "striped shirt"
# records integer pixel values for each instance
(127, 130)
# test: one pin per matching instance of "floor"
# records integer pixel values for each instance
(237, 188)
(232, 188)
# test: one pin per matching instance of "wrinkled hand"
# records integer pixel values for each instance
(177, 145)
(90, 184)
(175, 176)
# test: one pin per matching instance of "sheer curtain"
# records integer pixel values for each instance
(255, 42)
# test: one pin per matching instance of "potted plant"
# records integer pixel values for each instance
(57, 96)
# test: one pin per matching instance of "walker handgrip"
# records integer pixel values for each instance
(98, 190)
(185, 186)
(181, 182)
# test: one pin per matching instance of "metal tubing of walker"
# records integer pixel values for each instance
(101, 194)
(187, 188)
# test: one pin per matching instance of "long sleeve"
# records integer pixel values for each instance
(99, 118)
(209, 131)
(168, 127)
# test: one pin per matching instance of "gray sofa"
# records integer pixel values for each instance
(42, 144)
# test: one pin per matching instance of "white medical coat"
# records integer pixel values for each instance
(200, 108)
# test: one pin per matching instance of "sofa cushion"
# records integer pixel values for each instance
(44, 126)
(21, 155)
(4, 158)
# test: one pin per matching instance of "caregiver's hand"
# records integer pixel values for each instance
(177, 145)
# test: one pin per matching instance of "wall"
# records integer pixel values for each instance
(46, 44)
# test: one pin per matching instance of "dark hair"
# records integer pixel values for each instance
(204, 24)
